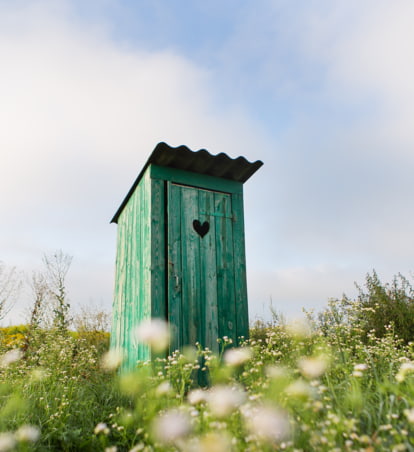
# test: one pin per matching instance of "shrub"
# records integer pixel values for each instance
(376, 310)
(387, 304)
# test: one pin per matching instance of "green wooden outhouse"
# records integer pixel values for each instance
(180, 250)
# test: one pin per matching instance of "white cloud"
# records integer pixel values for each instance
(375, 55)
(337, 195)
(80, 115)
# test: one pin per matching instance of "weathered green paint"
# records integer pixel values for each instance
(165, 269)
(239, 254)
(132, 300)
(204, 303)
(195, 180)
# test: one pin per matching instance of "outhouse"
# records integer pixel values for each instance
(180, 250)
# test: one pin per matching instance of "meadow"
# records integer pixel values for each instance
(323, 385)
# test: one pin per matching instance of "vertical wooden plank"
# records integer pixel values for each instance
(139, 263)
(158, 258)
(190, 266)
(133, 273)
(208, 274)
(174, 266)
(132, 269)
(117, 308)
(225, 266)
(126, 289)
(144, 293)
(126, 345)
(240, 267)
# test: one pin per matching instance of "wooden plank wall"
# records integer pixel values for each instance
(132, 298)
(207, 294)
(164, 269)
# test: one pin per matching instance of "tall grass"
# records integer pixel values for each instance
(298, 387)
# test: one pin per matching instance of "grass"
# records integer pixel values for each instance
(290, 387)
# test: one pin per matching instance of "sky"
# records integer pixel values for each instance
(321, 91)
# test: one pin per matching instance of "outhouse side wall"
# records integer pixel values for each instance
(132, 298)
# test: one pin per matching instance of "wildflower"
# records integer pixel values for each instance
(7, 441)
(277, 372)
(409, 414)
(189, 353)
(11, 357)
(405, 369)
(171, 426)
(196, 396)
(237, 356)
(27, 434)
(101, 428)
(111, 360)
(299, 389)
(154, 332)
(213, 442)
(313, 367)
(38, 374)
(164, 388)
(358, 370)
(317, 406)
(138, 447)
(299, 328)
(360, 367)
(269, 424)
(365, 439)
(222, 400)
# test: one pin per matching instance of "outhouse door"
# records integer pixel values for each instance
(201, 266)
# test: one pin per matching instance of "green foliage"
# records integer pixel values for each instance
(58, 387)
(377, 309)
(335, 383)
(387, 304)
(292, 387)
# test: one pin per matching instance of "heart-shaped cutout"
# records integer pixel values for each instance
(201, 229)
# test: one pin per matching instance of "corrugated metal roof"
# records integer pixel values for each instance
(202, 162)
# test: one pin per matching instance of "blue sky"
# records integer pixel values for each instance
(320, 91)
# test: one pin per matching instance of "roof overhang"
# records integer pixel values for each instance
(202, 162)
